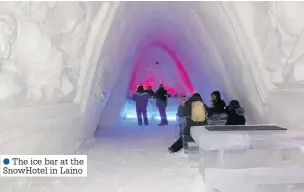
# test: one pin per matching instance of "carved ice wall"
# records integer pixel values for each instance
(46, 57)
(42, 44)
(284, 44)
(272, 35)
(273, 32)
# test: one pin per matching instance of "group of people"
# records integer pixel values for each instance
(141, 97)
(194, 112)
(191, 112)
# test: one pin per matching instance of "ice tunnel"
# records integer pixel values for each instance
(63, 73)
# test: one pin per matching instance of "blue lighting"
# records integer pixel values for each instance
(129, 111)
(169, 118)
(134, 116)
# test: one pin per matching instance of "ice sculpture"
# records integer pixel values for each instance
(45, 53)
(8, 85)
(284, 47)
(270, 33)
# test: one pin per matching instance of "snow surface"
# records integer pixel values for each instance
(130, 159)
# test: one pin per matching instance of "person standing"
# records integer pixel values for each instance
(161, 96)
(150, 91)
(141, 98)
(181, 116)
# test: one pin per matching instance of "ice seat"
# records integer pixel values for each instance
(248, 149)
(246, 139)
(233, 160)
(238, 159)
(251, 158)
(186, 141)
(244, 153)
(280, 187)
(193, 154)
(253, 179)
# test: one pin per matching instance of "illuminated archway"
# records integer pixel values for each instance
(178, 64)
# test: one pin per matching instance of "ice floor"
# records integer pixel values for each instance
(131, 159)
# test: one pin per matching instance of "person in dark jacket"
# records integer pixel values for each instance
(186, 137)
(161, 103)
(235, 114)
(141, 98)
(197, 97)
(150, 91)
(217, 104)
(188, 109)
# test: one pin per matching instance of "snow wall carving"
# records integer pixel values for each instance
(272, 35)
(42, 45)
(46, 57)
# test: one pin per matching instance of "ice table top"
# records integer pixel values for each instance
(255, 137)
(244, 128)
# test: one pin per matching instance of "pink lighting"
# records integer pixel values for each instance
(150, 81)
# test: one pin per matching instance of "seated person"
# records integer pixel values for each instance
(181, 116)
(207, 109)
(235, 114)
(195, 116)
(150, 91)
(217, 104)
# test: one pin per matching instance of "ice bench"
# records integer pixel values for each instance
(296, 187)
(241, 158)
(215, 119)
(252, 179)
(211, 140)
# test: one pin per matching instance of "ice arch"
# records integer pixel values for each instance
(238, 48)
(178, 65)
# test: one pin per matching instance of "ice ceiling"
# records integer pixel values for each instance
(63, 70)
